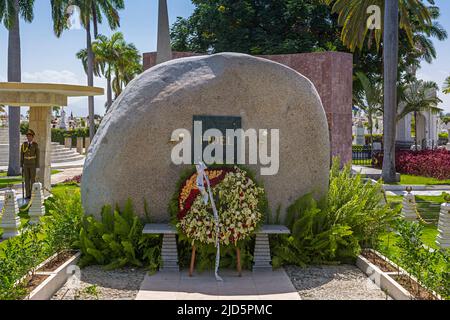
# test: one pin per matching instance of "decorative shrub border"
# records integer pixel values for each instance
(386, 279)
(55, 279)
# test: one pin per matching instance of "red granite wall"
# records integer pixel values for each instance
(332, 74)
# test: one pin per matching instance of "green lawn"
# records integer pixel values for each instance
(429, 208)
(416, 180)
(58, 190)
(6, 181)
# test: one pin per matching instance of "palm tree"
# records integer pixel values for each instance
(390, 58)
(420, 96)
(355, 34)
(114, 57)
(91, 12)
(353, 18)
(370, 100)
(10, 13)
(126, 67)
(447, 86)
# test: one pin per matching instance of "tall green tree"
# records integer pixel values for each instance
(92, 13)
(257, 27)
(115, 59)
(126, 67)
(420, 96)
(370, 100)
(447, 86)
(10, 13)
(353, 16)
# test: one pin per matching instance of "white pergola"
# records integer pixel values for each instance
(41, 98)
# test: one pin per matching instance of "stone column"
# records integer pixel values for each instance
(87, 144)
(68, 143)
(262, 258)
(169, 254)
(164, 51)
(443, 239)
(448, 144)
(40, 119)
(80, 145)
(37, 209)
(409, 210)
(360, 135)
(10, 220)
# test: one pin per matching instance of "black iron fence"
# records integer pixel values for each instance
(362, 155)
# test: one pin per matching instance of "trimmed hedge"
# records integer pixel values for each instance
(58, 135)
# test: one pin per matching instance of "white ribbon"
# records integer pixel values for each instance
(201, 177)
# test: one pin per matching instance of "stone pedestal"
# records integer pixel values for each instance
(68, 143)
(169, 254)
(409, 210)
(80, 145)
(360, 135)
(87, 144)
(10, 220)
(443, 239)
(448, 144)
(40, 120)
(37, 209)
(262, 258)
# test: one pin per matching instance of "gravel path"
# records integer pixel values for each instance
(343, 282)
(97, 284)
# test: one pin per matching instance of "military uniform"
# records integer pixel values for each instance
(29, 161)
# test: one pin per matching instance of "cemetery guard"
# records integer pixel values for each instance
(29, 161)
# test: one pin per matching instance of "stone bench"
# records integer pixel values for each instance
(169, 253)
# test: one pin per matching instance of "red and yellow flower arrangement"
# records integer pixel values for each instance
(236, 197)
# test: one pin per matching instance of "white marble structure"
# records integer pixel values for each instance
(10, 219)
(360, 135)
(409, 210)
(63, 120)
(443, 239)
(37, 209)
(427, 129)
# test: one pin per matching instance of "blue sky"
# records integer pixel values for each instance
(46, 58)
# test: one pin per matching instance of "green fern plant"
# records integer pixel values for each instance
(334, 229)
(117, 241)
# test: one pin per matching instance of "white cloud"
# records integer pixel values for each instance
(77, 105)
(52, 76)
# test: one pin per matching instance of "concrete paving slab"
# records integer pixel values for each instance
(203, 286)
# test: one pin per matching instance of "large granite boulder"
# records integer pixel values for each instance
(130, 157)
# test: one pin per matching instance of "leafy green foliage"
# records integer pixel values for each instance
(429, 267)
(257, 27)
(117, 241)
(334, 229)
(18, 258)
(62, 225)
(21, 255)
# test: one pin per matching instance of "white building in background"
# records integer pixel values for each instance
(428, 125)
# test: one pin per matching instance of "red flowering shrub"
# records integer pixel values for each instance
(428, 163)
(76, 180)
